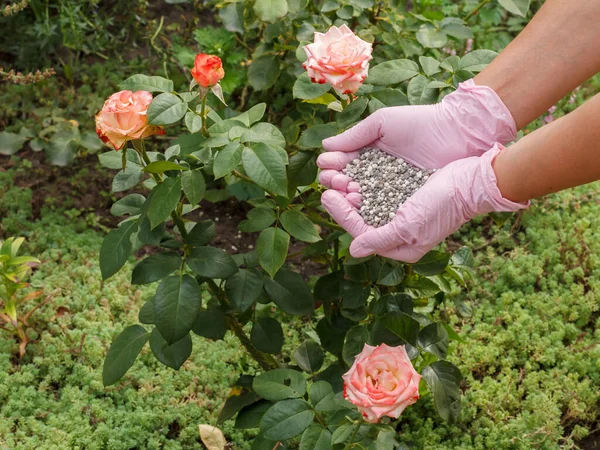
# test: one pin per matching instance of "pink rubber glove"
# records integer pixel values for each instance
(451, 197)
(465, 123)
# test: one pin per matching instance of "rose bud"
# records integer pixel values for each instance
(381, 382)
(123, 118)
(339, 58)
(208, 70)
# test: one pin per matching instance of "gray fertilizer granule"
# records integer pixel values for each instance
(386, 182)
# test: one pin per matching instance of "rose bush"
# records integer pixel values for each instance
(124, 118)
(272, 167)
(381, 382)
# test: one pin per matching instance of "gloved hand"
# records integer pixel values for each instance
(465, 123)
(451, 197)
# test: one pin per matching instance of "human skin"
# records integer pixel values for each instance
(556, 52)
(560, 155)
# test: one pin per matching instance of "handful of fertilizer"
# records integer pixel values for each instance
(386, 182)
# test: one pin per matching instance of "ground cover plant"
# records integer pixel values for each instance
(300, 332)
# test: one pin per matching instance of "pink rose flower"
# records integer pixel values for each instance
(339, 58)
(381, 382)
(208, 70)
(123, 118)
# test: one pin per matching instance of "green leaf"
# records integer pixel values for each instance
(434, 339)
(253, 115)
(433, 263)
(146, 314)
(419, 93)
(391, 97)
(286, 419)
(518, 7)
(202, 233)
(123, 352)
(210, 323)
(476, 60)
(356, 338)
(155, 267)
(62, 148)
(443, 378)
(267, 335)
(270, 10)
(290, 292)
(264, 166)
(116, 248)
(315, 437)
(299, 226)
(279, 384)
(173, 355)
(332, 339)
(329, 287)
(304, 89)
(450, 63)
(403, 326)
(258, 219)
(392, 72)
(130, 204)
(127, 179)
(272, 247)
(352, 112)
(114, 160)
(265, 133)
(227, 159)
(243, 289)
(313, 136)
(430, 65)
(211, 262)
(11, 143)
(456, 29)
(309, 356)
(145, 83)
(430, 37)
(250, 416)
(193, 185)
(232, 16)
(463, 257)
(162, 166)
(354, 295)
(166, 109)
(302, 170)
(264, 71)
(176, 305)
(500, 218)
(163, 200)
(390, 274)
(193, 122)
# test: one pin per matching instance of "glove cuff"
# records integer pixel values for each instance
(493, 201)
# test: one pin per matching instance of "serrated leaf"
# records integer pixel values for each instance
(123, 352)
(155, 267)
(141, 82)
(279, 384)
(166, 109)
(304, 89)
(116, 248)
(299, 226)
(392, 72)
(264, 166)
(176, 305)
(193, 185)
(173, 355)
(286, 419)
(163, 200)
(272, 247)
(443, 379)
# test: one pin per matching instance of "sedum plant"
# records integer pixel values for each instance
(370, 316)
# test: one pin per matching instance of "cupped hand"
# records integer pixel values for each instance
(465, 123)
(450, 198)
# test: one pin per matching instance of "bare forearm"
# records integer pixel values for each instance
(560, 155)
(557, 51)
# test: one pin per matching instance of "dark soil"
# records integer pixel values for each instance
(85, 186)
(591, 442)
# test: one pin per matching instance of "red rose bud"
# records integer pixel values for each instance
(208, 70)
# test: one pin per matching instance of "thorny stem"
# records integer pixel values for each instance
(177, 219)
(203, 116)
(266, 361)
(481, 4)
